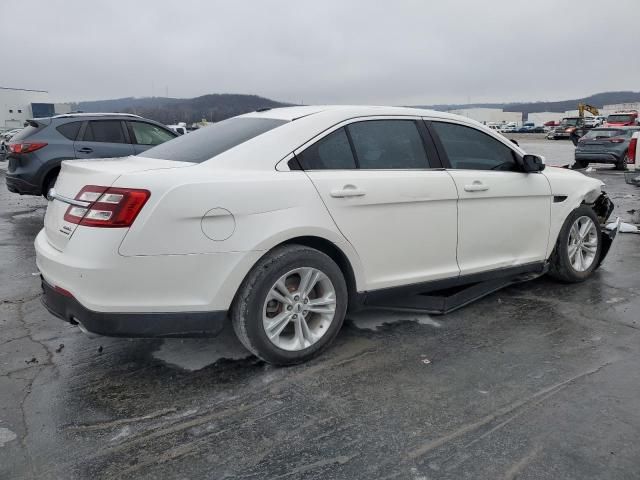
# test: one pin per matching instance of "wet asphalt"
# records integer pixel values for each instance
(538, 381)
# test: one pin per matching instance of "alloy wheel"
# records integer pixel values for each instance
(299, 308)
(582, 243)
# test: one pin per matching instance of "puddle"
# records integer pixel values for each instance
(6, 436)
(374, 319)
(196, 353)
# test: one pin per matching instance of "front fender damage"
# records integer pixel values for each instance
(603, 207)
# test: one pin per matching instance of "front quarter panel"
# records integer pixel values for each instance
(570, 189)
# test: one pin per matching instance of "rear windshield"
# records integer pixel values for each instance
(609, 133)
(207, 142)
(569, 121)
(620, 118)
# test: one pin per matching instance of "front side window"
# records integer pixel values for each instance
(388, 144)
(332, 152)
(108, 131)
(471, 149)
(148, 134)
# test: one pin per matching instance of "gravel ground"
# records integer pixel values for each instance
(539, 380)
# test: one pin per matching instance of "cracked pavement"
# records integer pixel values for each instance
(539, 380)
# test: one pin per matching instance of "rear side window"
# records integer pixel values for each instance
(332, 152)
(70, 130)
(207, 142)
(471, 149)
(108, 131)
(388, 144)
(148, 134)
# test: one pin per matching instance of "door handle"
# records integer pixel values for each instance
(476, 186)
(347, 191)
(85, 150)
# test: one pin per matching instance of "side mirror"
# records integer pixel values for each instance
(514, 141)
(533, 163)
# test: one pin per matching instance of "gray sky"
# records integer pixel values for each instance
(323, 51)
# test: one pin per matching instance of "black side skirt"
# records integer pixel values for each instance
(444, 296)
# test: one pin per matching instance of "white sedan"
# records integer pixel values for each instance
(280, 220)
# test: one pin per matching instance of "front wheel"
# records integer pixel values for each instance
(291, 305)
(578, 248)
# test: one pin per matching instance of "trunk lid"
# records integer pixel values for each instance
(76, 174)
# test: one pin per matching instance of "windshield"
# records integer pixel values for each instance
(620, 118)
(207, 142)
(569, 121)
(606, 133)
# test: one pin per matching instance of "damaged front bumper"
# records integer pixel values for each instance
(603, 206)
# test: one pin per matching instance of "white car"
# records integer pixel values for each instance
(279, 220)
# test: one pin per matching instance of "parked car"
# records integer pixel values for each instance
(35, 154)
(567, 127)
(530, 128)
(279, 220)
(633, 160)
(180, 128)
(604, 145)
(591, 122)
(509, 128)
(621, 119)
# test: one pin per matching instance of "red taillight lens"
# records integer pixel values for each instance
(25, 147)
(62, 291)
(109, 207)
(631, 153)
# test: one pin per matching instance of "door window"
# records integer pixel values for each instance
(108, 131)
(471, 149)
(148, 134)
(333, 152)
(388, 144)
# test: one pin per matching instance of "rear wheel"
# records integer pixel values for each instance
(578, 248)
(49, 182)
(580, 164)
(291, 305)
(621, 164)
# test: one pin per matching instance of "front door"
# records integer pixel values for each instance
(503, 213)
(399, 213)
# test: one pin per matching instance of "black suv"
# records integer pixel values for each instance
(36, 152)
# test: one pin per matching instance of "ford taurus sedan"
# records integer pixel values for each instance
(280, 220)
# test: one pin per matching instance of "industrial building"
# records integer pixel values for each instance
(19, 104)
(619, 107)
(490, 115)
(540, 118)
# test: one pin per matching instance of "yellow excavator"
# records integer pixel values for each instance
(582, 107)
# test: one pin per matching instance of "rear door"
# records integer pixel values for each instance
(382, 183)
(146, 135)
(503, 213)
(103, 139)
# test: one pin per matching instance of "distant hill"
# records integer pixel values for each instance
(213, 107)
(597, 100)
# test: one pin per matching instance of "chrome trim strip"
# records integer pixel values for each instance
(53, 195)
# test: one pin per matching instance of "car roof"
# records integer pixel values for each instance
(347, 111)
(97, 114)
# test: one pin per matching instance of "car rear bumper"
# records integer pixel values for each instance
(600, 157)
(18, 185)
(135, 324)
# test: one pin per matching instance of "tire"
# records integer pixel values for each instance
(255, 304)
(621, 164)
(49, 182)
(580, 164)
(562, 265)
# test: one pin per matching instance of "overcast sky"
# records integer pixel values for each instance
(323, 51)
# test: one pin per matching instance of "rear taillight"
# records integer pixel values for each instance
(25, 147)
(631, 153)
(616, 140)
(108, 207)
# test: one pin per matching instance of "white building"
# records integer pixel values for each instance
(18, 104)
(619, 107)
(490, 115)
(540, 118)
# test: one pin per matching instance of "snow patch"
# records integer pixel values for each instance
(374, 319)
(6, 436)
